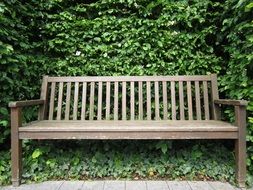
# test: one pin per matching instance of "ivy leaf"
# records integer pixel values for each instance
(36, 153)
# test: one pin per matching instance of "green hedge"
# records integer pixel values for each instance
(126, 37)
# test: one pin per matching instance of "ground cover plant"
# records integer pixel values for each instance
(123, 160)
(126, 37)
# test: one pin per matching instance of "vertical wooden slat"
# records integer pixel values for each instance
(92, 89)
(157, 105)
(51, 108)
(197, 98)
(68, 101)
(148, 101)
(116, 99)
(75, 108)
(132, 100)
(140, 100)
(215, 96)
(44, 96)
(100, 91)
(206, 102)
(108, 96)
(181, 100)
(189, 99)
(165, 101)
(173, 99)
(124, 100)
(84, 101)
(59, 105)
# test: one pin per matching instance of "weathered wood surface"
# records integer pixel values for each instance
(98, 129)
(26, 103)
(130, 78)
(125, 185)
(130, 107)
(231, 102)
(161, 125)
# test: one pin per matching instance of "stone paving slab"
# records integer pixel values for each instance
(124, 185)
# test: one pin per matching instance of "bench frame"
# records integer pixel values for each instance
(240, 122)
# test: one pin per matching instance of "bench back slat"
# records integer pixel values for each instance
(76, 95)
(129, 98)
(92, 94)
(173, 99)
(181, 100)
(132, 101)
(52, 98)
(197, 96)
(124, 100)
(116, 99)
(44, 96)
(100, 91)
(165, 101)
(83, 111)
(59, 105)
(140, 90)
(67, 108)
(189, 100)
(157, 105)
(206, 101)
(148, 100)
(215, 95)
(108, 97)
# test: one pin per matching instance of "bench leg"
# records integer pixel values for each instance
(16, 147)
(16, 160)
(240, 146)
(240, 155)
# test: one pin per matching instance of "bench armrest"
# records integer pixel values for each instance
(26, 103)
(231, 102)
(16, 107)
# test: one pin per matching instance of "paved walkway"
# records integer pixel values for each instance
(124, 185)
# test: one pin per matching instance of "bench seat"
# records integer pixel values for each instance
(163, 129)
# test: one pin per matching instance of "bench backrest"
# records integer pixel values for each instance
(129, 98)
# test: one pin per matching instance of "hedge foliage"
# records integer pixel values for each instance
(125, 37)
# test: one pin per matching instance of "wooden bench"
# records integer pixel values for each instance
(129, 107)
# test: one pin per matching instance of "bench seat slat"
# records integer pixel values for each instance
(131, 135)
(160, 129)
(159, 125)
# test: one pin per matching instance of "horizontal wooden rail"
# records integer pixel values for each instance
(231, 102)
(26, 103)
(130, 78)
